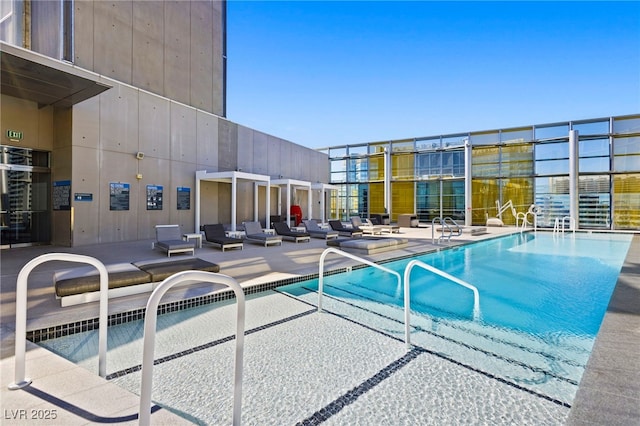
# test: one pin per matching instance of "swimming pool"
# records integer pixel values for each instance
(305, 359)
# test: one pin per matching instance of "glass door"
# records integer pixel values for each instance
(25, 217)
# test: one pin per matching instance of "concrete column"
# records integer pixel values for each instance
(234, 201)
(574, 171)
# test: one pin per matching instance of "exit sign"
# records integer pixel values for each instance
(14, 135)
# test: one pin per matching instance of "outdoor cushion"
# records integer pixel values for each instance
(87, 279)
(161, 270)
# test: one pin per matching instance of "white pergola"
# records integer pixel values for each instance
(233, 177)
(292, 185)
(323, 188)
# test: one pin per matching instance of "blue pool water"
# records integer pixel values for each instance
(542, 300)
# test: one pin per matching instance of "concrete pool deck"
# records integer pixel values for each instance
(609, 391)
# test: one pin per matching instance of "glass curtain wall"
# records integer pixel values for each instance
(510, 170)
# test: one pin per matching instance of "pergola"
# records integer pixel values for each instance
(292, 184)
(323, 188)
(233, 177)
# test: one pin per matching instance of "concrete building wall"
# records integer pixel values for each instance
(171, 48)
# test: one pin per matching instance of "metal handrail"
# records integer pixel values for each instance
(144, 416)
(476, 296)
(443, 223)
(21, 312)
(558, 225)
(407, 325)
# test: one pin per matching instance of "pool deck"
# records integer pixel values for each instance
(609, 391)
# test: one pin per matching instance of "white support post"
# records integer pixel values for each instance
(468, 204)
(197, 204)
(309, 205)
(574, 157)
(268, 202)
(255, 202)
(234, 202)
(387, 182)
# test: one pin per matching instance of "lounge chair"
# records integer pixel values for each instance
(216, 235)
(169, 239)
(356, 222)
(316, 232)
(385, 228)
(336, 225)
(254, 233)
(286, 233)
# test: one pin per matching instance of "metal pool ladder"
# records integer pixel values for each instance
(558, 225)
(21, 312)
(476, 296)
(407, 335)
(144, 417)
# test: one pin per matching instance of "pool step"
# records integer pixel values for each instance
(516, 358)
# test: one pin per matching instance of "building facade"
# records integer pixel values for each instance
(592, 164)
(109, 109)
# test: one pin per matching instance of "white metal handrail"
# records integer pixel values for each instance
(558, 225)
(151, 316)
(476, 296)
(450, 225)
(407, 336)
(21, 312)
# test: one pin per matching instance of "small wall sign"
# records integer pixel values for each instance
(14, 135)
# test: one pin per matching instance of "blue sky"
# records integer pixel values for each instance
(335, 72)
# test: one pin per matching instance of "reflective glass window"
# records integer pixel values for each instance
(551, 132)
(626, 125)
(552, 151)
(626, 146)
(454, 141)
(552, 167)
(490, 138)
(404, 146)
(594, 164)
(402, 199)
(377, 148)
(594, 201)
(403, 166)
(358, 150)
(358, 170)
(338, 152)
(517, 135)
(626, 201)
(552, 196)
(592, 128)
(428, 144)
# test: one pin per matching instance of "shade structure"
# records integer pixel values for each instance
(292, 185)
(233, 177)
(323, 188)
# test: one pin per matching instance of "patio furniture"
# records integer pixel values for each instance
(169, 239)
(254, 233)
(316, 232)
(216, 235)
(336, 225)
(286, 233)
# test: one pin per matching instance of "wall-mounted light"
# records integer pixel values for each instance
(139, 176)
(139, 155)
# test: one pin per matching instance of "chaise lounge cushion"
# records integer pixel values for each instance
(87, 279)
(159, 271)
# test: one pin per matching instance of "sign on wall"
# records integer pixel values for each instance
(119, 196)
(62, 195)
(184, 198)
(154, 197)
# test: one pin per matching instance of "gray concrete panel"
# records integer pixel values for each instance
(45, 28)
(85, 178)
(202, 76)
(118, 225)
(182, 174)
(83, 39)
(183, 133)
(227, 145)
(207, 141)
(86, 119)
(260, 150)
(217, 85)
(155, 171)
(245, 149)
(273, 156)
(113, 38)
(285, 165)
(177, 46)
(119, 120)
(148, 49)
(154, 115)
